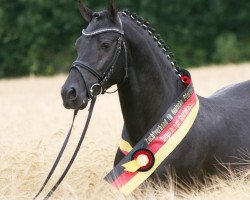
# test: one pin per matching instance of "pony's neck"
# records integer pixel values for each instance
(152, 85)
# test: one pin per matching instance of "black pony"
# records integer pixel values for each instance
(120, 48)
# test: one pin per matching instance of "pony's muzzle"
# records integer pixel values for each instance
(72, 99)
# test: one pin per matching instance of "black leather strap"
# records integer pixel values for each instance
(58, 157)
(75, 152)
(61, 153)
(86, 66)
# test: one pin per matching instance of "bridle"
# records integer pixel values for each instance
(99, 87)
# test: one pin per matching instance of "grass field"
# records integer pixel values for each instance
(33, 125)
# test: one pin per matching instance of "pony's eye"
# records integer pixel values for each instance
(105, 45)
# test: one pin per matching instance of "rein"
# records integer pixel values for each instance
(61, 153)
(58, 157)
(92, 96)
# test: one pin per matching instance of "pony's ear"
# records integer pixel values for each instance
(85, 12)
(112, 11)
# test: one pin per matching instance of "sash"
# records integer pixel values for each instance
(156, 145)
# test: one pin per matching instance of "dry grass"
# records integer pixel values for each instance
(34, 124)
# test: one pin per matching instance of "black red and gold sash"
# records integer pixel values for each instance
(144, 158)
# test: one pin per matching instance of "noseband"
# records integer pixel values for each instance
(109, 68)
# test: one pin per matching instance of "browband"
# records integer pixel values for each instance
(90, 34)
(106, 30)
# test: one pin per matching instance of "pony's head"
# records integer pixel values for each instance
(100, 57)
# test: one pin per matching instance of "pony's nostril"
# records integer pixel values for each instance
(72, 94)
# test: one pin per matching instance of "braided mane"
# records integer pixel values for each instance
(156, 37)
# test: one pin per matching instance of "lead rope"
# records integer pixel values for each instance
(61, 153)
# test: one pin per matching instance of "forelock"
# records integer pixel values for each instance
(100, 20)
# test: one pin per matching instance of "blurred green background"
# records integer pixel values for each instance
(38, 36)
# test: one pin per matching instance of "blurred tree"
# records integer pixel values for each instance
(226, 49)
(37, 36)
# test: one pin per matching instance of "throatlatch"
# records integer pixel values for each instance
(157, 144)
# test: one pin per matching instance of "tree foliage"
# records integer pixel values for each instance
(38, 36)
